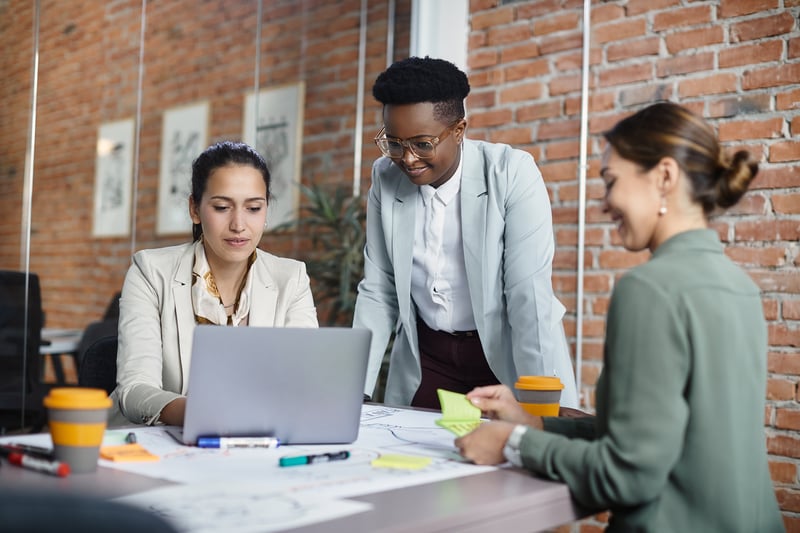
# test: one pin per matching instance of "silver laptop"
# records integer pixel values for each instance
(301, 385)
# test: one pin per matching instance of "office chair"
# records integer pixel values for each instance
(105, 327)
(21, 388)
(98, 369)
(94, 332)
(112, 311)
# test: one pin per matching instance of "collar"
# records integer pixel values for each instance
(449, 189)
(704, 239)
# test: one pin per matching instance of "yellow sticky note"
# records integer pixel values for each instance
(458, 414)
(401, 462)
(127, 453)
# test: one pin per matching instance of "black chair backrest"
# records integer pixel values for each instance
(98, 369)
(112, 311)
(20, 338)
(94, 332)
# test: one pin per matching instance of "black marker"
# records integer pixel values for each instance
(27, 449)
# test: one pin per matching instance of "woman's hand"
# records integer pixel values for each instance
(498, 402)
(484, 446)
(174, 412)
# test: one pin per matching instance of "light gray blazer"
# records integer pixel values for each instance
(508, 251)
(156, 323)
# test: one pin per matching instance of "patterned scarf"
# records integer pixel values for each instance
(206, 301)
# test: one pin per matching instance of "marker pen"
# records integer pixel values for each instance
(55, 468)
(238, 442)
(27, 449)
(311, 459)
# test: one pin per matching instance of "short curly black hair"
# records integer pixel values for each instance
(424, 79)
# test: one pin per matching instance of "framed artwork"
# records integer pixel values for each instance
(184, 135)
(113, 178)
(274, 127)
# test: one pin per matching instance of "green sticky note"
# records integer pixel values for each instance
(401, 462)
(458, 414)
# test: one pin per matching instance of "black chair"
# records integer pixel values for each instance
(104, 327)
(94, 332)
(112, 311)
(21, 388)
(98, 368)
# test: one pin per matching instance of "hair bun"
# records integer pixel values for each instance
(735, 177)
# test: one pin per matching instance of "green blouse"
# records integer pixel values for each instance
(678, 443)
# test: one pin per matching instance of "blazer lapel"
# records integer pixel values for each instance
(473, 221)
(403, 229)
(182, 295)
(264, 297)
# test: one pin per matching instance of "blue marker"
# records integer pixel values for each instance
(238, 442)
(311, 459)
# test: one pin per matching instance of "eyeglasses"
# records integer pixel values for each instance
(422, 146)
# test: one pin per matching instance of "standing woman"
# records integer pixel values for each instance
(678, 442)
(459, 252)
(220, 278)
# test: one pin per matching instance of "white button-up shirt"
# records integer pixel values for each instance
(438, 273)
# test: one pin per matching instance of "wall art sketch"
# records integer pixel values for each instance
(184, 135)
(277, 134)
(113, 178)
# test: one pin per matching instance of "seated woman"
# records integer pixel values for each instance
(678, 442)
(220, 278)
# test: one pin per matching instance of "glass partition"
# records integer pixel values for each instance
(130, 92)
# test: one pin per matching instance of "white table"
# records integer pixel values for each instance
(506, 499)
(57, 342)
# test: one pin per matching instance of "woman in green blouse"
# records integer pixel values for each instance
(678, 441)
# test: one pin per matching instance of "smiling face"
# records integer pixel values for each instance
(632, 199)
(413, 120)
(232, 212)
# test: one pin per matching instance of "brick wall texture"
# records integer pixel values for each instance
(736, 62)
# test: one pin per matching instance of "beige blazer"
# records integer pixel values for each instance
(156, 323)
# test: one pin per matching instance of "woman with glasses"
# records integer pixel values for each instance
(459, 249)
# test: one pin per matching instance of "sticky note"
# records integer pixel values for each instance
(458, 414)
(401, 462)
(127, 453)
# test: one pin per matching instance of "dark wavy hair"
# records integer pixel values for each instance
(424, 79)
(666, 129)
(223, 154)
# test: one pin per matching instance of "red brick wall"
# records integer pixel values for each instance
(736, 62)
(88, 64)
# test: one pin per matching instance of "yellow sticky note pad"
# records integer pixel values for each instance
(458, 414)
(127, 453)
(401, 462)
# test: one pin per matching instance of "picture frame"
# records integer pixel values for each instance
(113, 179)
(184, 135)
(275, 129)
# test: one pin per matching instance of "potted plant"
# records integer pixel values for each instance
(334, 221)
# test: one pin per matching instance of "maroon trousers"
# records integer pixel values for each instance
(450, 361)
